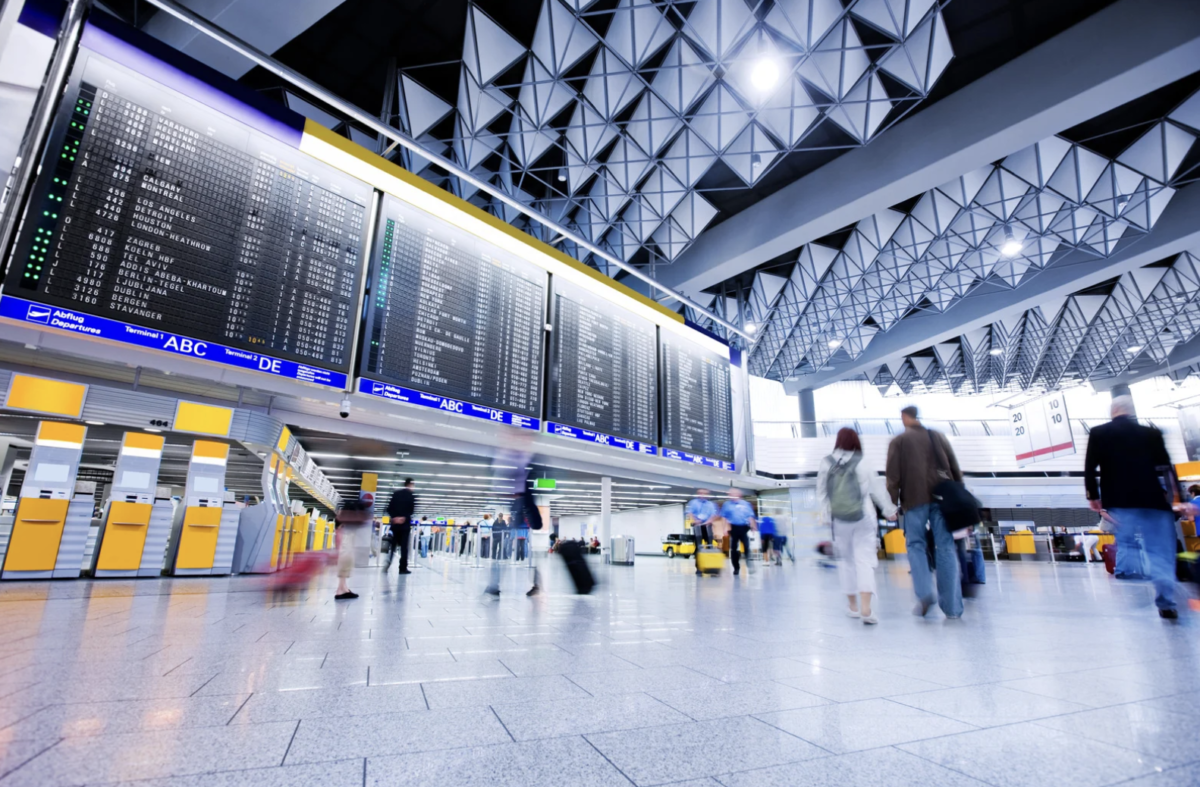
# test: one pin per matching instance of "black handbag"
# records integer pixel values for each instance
(959, 507)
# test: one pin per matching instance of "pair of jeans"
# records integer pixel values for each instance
(949, 592)
(1157, 529)
(739, 534)
(1131, 559)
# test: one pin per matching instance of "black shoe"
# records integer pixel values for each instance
(349, 594)
(533, 591)
(1168, 614)
(492, 591)
(406, 571)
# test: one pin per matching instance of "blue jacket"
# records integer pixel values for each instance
(738, 512)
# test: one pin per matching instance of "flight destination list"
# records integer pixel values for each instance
(452, 315)
(153, 209)
(697, 404)
(602, 366)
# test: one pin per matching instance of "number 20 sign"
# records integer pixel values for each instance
(1041, 430)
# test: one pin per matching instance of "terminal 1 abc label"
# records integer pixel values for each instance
(153, 338)
(398, 393)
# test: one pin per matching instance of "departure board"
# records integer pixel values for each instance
(697, 407)
(603, 375)
(155, 210)
(451, 315)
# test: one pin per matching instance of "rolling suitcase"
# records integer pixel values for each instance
(975, 570)
(1109, 553)
(710, 560)
(577, 567)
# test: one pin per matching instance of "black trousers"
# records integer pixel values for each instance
(401, 536)
(738, 534)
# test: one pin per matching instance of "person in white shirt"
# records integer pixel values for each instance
(846, 487)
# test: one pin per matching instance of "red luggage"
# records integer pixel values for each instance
(1109, 553)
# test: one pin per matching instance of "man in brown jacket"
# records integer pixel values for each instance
(913, 470)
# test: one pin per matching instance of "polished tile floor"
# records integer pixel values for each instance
(1055, 676)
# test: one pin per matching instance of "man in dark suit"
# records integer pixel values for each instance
(1132, 463)
(400, 510)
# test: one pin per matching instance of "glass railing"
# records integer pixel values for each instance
(982, 427)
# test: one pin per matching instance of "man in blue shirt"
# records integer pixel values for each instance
(740, 515)
(701, 510)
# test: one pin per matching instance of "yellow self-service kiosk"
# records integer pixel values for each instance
(205, 530)
(137, 523)
(51, 524)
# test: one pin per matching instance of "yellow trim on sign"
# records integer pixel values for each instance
(61, 432)
(388, 169)
(284, 437)
(150, 442)
(42, 395)
(203, 418)
(210, 449)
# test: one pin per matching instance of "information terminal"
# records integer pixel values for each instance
(133, 538)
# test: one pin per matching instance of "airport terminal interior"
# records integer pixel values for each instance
(717, 393)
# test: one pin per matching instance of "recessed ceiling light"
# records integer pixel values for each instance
(95, 423)
(1011, 246)
(1137, 348)
(764, 74)
(751, 327)
(836, 343)
(996, 352)
(156, 431)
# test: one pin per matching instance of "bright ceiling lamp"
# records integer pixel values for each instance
(764, 74)
(1011, 246)
(996, 351)
(751, 327)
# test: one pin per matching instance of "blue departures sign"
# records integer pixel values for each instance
(696, 459)
(397, 393)
(152, 338)
(563, 430)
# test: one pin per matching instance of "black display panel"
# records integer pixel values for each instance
(697, 406)
(452, 315)
(154, 209)
(603, 373)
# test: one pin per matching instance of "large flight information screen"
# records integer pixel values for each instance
(155, 210)
(697, 403)
(603, 376)
(452, 315)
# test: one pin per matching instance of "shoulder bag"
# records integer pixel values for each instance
(959, 507)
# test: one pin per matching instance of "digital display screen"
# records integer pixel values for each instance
(451, 315)
(697, 407)
(603, 375)
(154, 209)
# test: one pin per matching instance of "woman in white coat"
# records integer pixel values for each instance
(846, 485)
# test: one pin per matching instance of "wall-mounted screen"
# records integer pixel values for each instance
(452, 317)
(155, 209)
(603, 377)
(697, 413)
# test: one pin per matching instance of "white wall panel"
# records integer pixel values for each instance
(647, 526)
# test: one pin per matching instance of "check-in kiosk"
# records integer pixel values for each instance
(52, 518)
(300, 530)
(261, 527)
(205, 528)
(136, 523)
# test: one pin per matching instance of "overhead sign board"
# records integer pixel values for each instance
(1042, 430)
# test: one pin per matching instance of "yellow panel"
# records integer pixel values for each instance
(45, 396)
(894, 543)
(275, 542)
(300, 534)
(36, 534)
(198, 538)
(203, 418)
(317, 131)
(61, 432)
(370, 482)
(284, 437)
(124, 536)
(152, 442)
(210, 450)
(1020, 543)
(1188, 470)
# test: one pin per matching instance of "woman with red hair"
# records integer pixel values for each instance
(846, 487)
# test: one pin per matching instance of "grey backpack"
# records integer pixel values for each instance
(845, 493)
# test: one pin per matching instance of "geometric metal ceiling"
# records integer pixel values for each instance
(1086, 337)
(1048, 199)
(610, 118)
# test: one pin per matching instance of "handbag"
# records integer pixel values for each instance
(959, 507)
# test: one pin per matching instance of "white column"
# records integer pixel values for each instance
(605, 515)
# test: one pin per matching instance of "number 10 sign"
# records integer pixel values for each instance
(1042, 430)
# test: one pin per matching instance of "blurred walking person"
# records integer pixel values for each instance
(849, 490)
(353, 521)
(740, 515)
(701, 510)
(1129, 475)
(400, 511)
(917, 460)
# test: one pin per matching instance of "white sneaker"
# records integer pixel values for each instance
(870, 620)
(853, 613)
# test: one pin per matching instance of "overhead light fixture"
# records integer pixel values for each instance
(95, 423)
(562, 175)
(1011, 247)
(1137, 348)
(836, 343)
(764, 74)
(156, 431)
(751, 327)
(996, 352)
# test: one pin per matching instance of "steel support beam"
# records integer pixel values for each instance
(1116, 55)
(1177, 230)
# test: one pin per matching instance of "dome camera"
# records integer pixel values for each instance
(344, 410)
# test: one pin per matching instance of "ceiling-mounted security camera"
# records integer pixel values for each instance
(344, 410)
